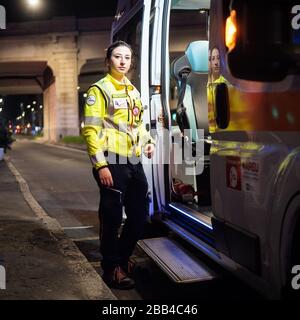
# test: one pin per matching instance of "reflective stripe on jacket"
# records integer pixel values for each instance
(113, 120)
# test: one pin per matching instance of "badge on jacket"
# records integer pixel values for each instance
(136, 111)
(90, 100)
(120, 103)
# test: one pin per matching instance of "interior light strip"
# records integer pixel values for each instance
(191, 217)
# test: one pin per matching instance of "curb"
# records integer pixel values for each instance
(63, 146)
(77, 262)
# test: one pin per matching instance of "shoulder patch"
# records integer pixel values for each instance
(90, 100)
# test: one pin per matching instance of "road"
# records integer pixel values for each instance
(61, 181)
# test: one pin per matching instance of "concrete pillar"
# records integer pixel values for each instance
(65, 119)
(50, 130)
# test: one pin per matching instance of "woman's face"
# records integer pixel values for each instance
(120, 61)
(215, 61)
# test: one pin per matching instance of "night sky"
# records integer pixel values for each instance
(12, 107)
(18, 11)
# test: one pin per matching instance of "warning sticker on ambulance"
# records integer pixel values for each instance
(243, 174)
(251, 175)
(233, 173)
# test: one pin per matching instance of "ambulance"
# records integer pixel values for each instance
(220, 85)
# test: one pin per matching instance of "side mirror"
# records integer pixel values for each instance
(263, 48)
(222, 105)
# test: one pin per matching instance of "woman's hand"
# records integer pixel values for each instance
(149, 150)
(106, 177)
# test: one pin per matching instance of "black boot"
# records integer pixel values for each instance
(128, 268)
(118, 279)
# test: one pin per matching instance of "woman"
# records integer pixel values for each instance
(215, 77)
(215, 66)
(115, 137)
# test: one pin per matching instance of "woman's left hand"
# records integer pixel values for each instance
(149, 150)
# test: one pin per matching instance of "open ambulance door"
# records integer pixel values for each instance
(178, 82)
(183, 116)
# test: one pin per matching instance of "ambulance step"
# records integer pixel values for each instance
(175, 261)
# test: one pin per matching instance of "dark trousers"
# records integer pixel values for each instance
(130, 190)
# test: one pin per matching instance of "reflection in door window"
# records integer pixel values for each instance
(187, 26)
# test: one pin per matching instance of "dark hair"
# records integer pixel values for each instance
(118, 43)
(214, 48)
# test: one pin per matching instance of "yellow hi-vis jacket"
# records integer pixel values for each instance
(113, 120)
(211, 86)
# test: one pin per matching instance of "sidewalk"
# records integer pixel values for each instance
(77, 146)
(41, 262)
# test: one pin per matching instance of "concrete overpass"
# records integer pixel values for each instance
(54, 58)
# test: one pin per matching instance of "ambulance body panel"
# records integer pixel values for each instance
(245, 206)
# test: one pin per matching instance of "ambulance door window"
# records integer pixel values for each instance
(131, 33)
(186, 26)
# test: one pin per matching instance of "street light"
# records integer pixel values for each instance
(22, 117)
(33, 3)
(33, 121)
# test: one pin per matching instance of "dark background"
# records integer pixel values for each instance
(18, 10)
